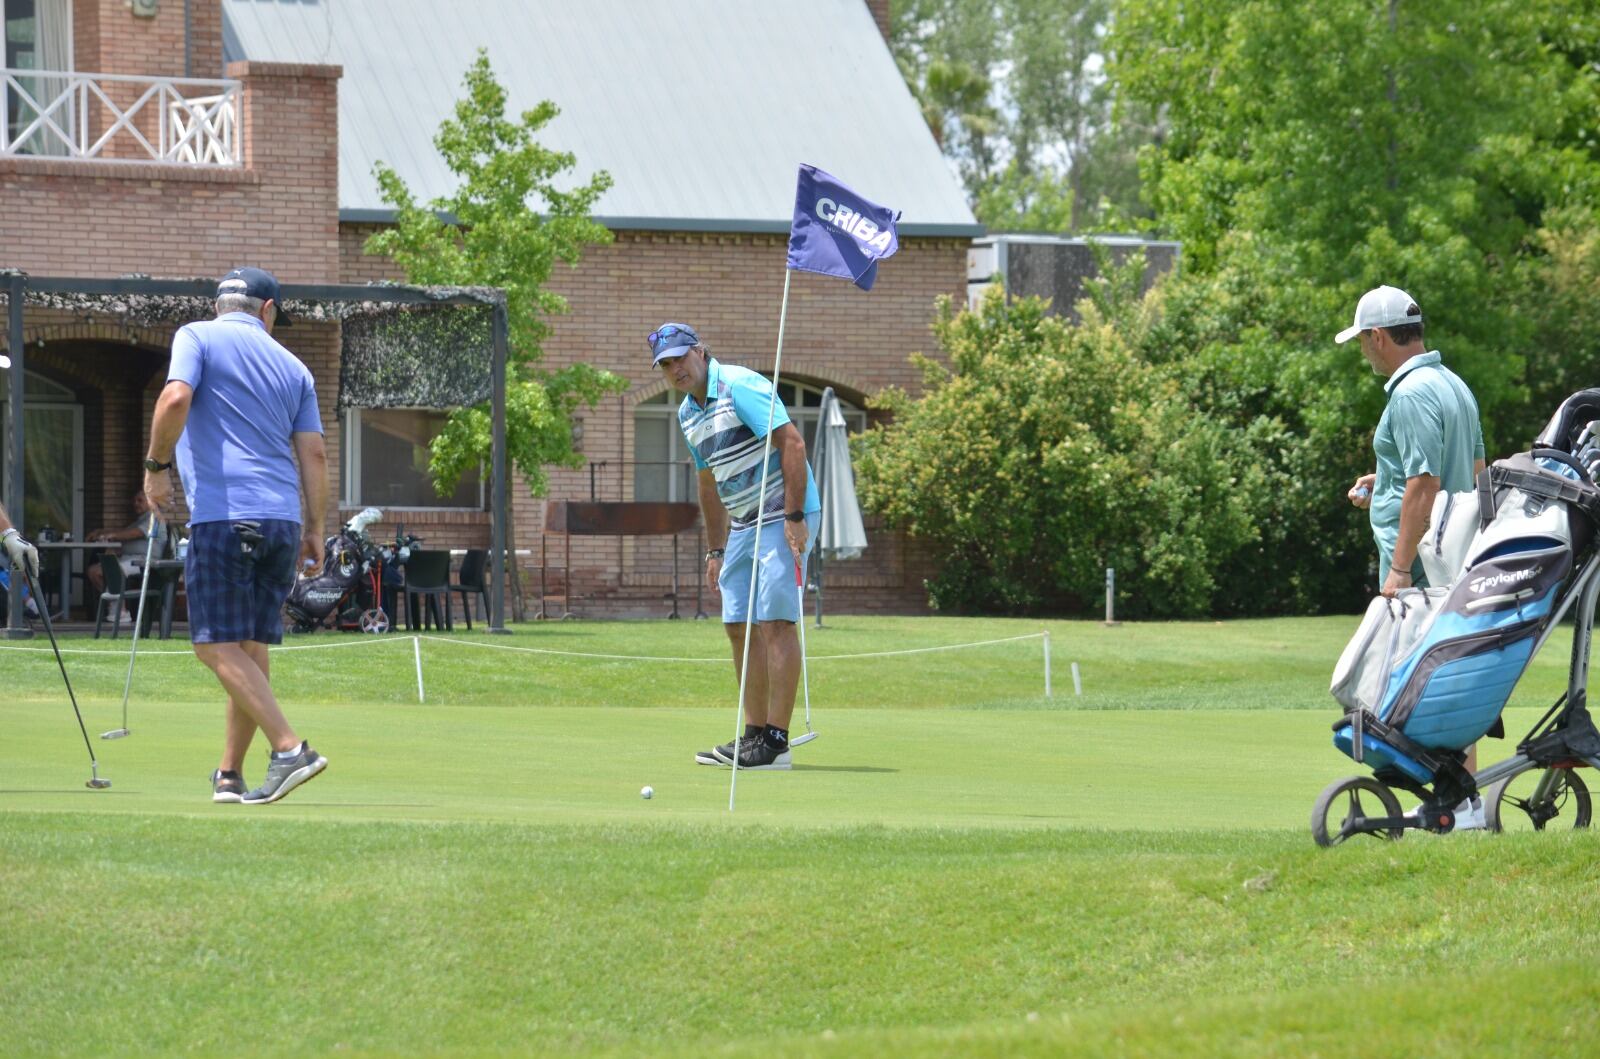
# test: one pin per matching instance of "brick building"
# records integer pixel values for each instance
(264, 155)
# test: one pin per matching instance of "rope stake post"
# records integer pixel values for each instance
(1046, 636)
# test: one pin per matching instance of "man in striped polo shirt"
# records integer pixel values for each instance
(725, 419)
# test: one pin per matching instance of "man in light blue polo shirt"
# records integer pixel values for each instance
(240, 411)
(724, 417)
(1429, 437)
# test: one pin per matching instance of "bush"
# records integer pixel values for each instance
(1047, 452)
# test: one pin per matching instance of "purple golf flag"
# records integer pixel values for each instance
(837, 232)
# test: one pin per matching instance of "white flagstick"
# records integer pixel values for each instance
(755, 541)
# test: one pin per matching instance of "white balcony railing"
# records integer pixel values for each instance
(118, 118)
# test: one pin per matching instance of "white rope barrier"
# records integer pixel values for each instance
(723, 661)
(369, 640)
(190, 654)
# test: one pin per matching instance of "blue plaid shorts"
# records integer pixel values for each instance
(237, 595)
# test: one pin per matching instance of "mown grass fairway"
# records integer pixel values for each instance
(958, 866)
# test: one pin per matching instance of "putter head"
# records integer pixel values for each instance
(97, 784)
(802, 740)
(116, 733)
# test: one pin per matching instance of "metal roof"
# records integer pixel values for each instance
(701, 110)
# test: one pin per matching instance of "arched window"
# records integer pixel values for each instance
(662, 469)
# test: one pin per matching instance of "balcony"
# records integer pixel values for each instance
(118, 118)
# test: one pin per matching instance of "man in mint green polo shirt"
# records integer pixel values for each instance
(1429, 437)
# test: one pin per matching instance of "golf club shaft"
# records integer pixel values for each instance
(805, 679)
(44, 613)
(138, 620)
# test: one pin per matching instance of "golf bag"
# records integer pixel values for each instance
(354, 589)
(1429, 671)
(313, 598)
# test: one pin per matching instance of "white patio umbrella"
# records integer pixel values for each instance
(841, 535)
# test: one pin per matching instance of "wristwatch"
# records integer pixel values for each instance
(796, 516)
(714, 553)
(152, 464)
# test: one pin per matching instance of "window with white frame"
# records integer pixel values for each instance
(38, 37)
(386, 461)
(662, 467)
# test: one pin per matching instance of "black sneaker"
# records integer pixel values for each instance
(715, 755)
(285, 774)
(722, 755)
(758, 754)
(227, 786)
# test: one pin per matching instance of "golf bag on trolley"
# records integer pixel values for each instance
(349, 588)
(1429, 671)
(317, 595)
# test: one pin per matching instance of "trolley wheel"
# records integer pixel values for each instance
(374, 620)
(1341, 803)
(1533, 799)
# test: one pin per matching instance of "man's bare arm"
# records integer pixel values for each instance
(312, 455)
(1416, 507)
(711, 509)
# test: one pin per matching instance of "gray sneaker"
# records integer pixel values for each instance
(285, 774)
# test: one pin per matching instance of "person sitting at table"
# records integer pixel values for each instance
(148, 523)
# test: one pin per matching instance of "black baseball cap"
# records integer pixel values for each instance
(254, 283)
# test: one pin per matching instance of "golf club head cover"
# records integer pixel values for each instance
(23, 555)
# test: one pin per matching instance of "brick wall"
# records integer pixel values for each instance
(279, 211)
(730, 286)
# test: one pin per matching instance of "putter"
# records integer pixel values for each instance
(127, 685)
(94, 782)
(805, 681)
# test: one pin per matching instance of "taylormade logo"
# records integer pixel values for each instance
(1479, 585)
(854, 224)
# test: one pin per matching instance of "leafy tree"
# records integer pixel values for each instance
(506, 225)
(1046, 452)
(1016, 94)
(1316, 149)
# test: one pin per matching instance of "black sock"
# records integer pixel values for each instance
(777, 738)
(751, 731)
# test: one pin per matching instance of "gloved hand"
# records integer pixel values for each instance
(23, 555)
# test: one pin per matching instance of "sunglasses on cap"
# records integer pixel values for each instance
(658, 339)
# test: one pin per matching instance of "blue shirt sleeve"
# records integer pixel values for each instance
(752, 396)
(307, 419)
(188, 358)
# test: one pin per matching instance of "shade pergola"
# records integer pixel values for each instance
(144, 300)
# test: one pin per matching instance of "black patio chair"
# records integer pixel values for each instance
(428, 578)
(117, 594)
(473, 579)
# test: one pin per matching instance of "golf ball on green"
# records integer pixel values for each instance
(647, 793)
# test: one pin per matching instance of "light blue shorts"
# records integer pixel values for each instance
(776, 595)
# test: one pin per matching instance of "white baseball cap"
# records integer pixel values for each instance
(1381, 307)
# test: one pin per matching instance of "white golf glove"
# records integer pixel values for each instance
(23, 555)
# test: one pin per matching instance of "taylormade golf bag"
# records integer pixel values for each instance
(1429, 671)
